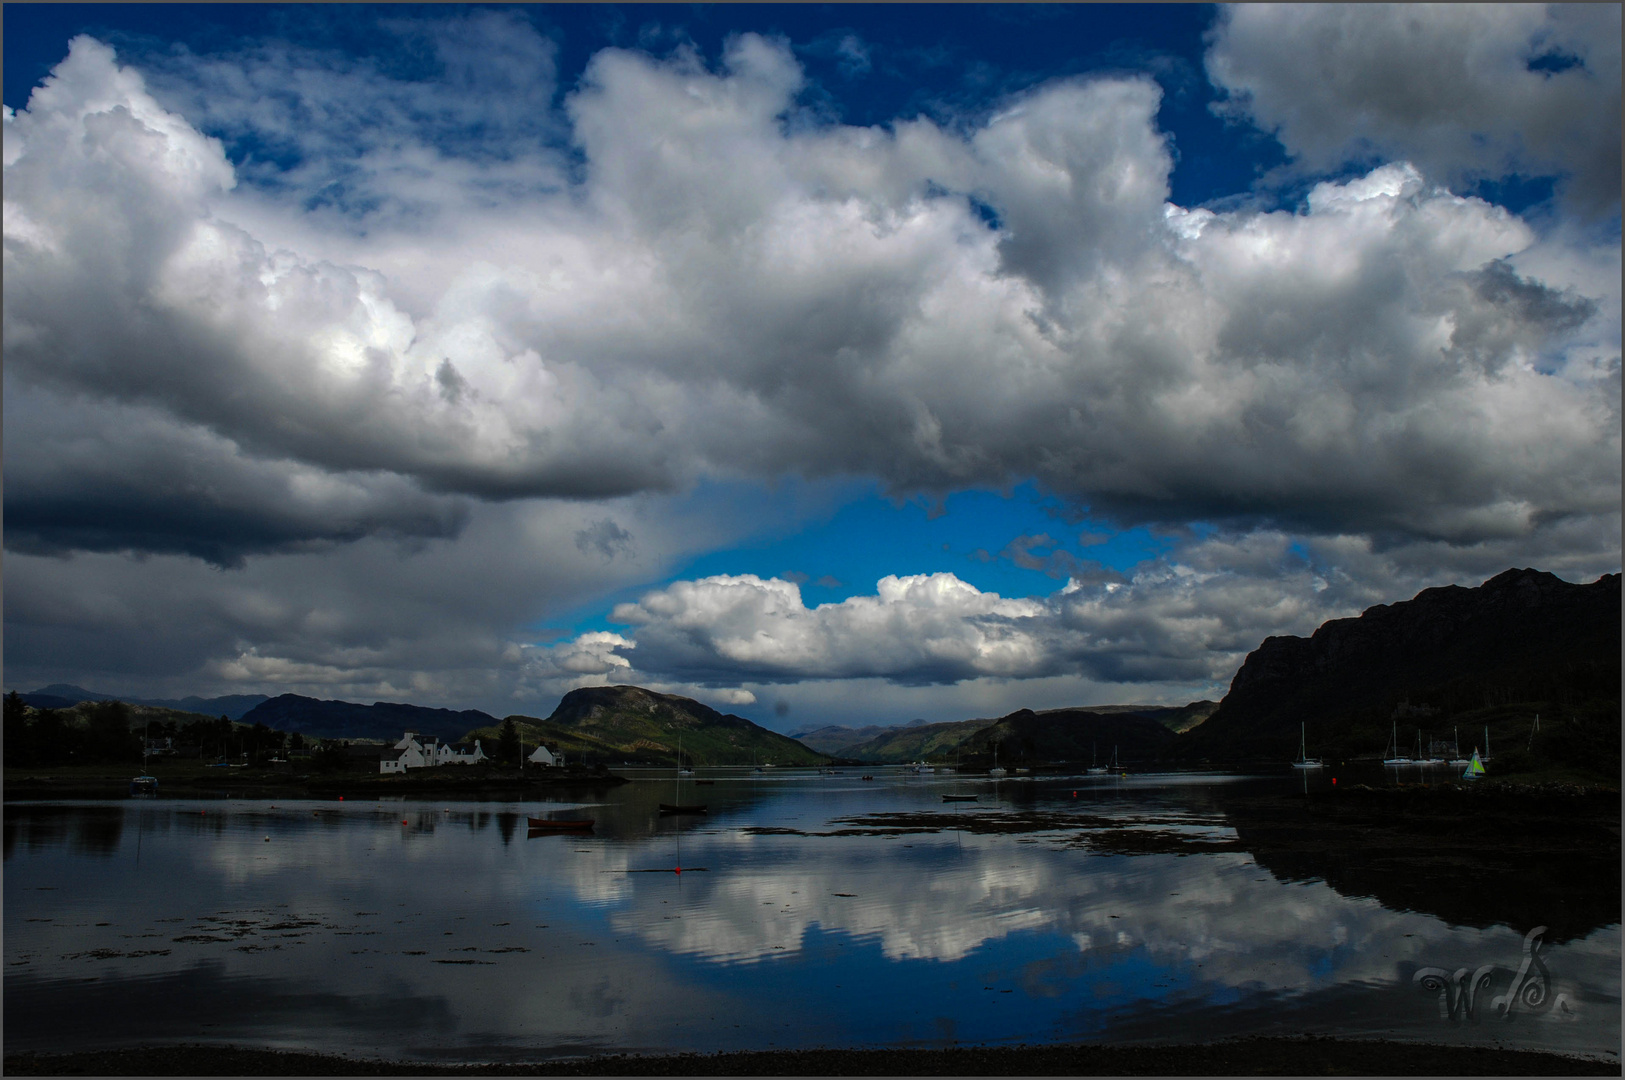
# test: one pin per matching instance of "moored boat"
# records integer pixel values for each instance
(959, 798)
(1304, 760)
(1397, 758)
(559, 824)
(682, 808)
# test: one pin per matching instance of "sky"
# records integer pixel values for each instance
(839, 364)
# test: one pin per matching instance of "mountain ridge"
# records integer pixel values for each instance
(1523, 635)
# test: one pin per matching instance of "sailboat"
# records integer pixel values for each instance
(1095, 769)
(1424, 757)
(1304, 760)
(995, 771)
(675, 807)
(1397, 758)
(146, 783)
(1475, 768)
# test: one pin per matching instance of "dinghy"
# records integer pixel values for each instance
(559, 824)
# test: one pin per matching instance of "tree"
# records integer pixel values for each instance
(108, 736)
(19, 743)
(508, 743)
(330, 757)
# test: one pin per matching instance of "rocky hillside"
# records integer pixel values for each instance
(614, 724)
(1523, 642)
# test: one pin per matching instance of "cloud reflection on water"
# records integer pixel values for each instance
(554, 942)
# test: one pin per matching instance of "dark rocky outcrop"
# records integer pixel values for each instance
(1077, 736)
(1522, 636)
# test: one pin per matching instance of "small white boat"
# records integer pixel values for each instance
(995, 771)
(1396, 758)
(1304, 760)
(1094, 769)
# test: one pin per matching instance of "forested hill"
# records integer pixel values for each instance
(347, 720)
(614, 724)
(1451, 658)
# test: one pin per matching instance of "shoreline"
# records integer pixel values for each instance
(1255, 1056)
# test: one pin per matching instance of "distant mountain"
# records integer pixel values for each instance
(65, 695)
(613, 724)
(919, 739)
(1450, 656)
(1178, 719)
(346, 720)
(916, 742)
(1079, 736)
(835, 739)
(231, 706)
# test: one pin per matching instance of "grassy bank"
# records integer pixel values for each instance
(1241, 1057)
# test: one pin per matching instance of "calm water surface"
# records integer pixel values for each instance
(812, 910)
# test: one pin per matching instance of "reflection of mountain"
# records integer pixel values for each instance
(1522, 636)
(1465, 858)
(631, 724)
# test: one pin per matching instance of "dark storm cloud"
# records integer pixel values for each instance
(92, 477)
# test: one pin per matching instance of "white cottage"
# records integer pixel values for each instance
(463, 754)
(413, 753)
(541, 756)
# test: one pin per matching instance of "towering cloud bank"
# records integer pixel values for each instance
(680, 277)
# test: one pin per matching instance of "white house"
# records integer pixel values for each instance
(541, 756)
(410, 753)
(446, 754)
